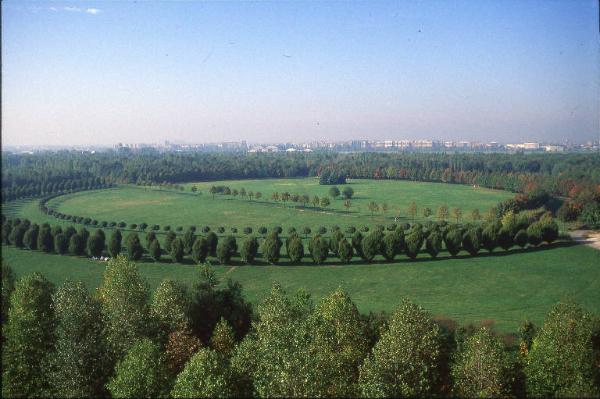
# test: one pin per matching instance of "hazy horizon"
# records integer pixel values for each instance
(98, 73)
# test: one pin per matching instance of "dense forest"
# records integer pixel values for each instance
(207, 341)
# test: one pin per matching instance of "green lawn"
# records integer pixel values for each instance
(504, 287)
(136, 205)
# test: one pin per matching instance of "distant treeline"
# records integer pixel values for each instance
(555, 173)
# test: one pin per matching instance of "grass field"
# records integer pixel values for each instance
(505, 288)
(137, 204)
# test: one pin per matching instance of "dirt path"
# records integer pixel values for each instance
(588, 237)
(230, 270)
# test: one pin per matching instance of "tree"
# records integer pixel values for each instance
(336, 347)
(345, 251)
(348, 192)
(17, 235)
(334, 192)
(453, 240)
(471, 241)
(141, 374)
(426, 212)
(44, 240)
(271, 249)
(212, 240)
(177, 250)
(489, 237)
(413, 242)
(61, 244)
(76, 245)
(223, 339)
(134, 247)
(28, 338)
(258, 195)
(188, 241)
(480, 369)
(30, 238)
(443, 212)
(200, 250)
(249, 249)
(213, 191)
(169, 240)
(561, 360)
(392, 245)
(347, 205)
(404, 362)
(319, 249)
(457, 213)
(549, 229)
(316, 201)
(371, 245)
(325, 202)
(180, 347)
(433, 244)
(272, 361)
(8, 286)
(170, 308)
(357, 239)
(412, 210)
(95, 245)
(475, 215)
(295, 250)
(114, 247)
(226, 249)
(204, 376)
(124, 298)
(154, 250)
(78, 366)
(373, 207)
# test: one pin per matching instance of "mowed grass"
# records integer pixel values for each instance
(506, 288)
(137, 204)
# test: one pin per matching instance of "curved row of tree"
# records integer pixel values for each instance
(520, 229)
(126, 342)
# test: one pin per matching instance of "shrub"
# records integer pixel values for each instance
(505, 238)
(392, 245)
(226, 249)
(177, 250)
(212, 241)
(521, 238)
(371, 245)
(534, 234)
(319, 249)
(271, 250)
(489, 237)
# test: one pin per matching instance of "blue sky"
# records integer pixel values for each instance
(107, 72)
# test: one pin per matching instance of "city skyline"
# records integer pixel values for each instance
(98, 73)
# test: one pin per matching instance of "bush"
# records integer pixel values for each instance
(535, 234)
(549, 229)
(521, 238)
(489, 237)
(322, 230)
(247, 230)
(590, 214)
(505, 238)
(262, 230)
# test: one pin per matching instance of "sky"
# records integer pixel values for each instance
(103, 72)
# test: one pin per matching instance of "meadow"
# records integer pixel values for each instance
(504, 287)
(134, 204)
